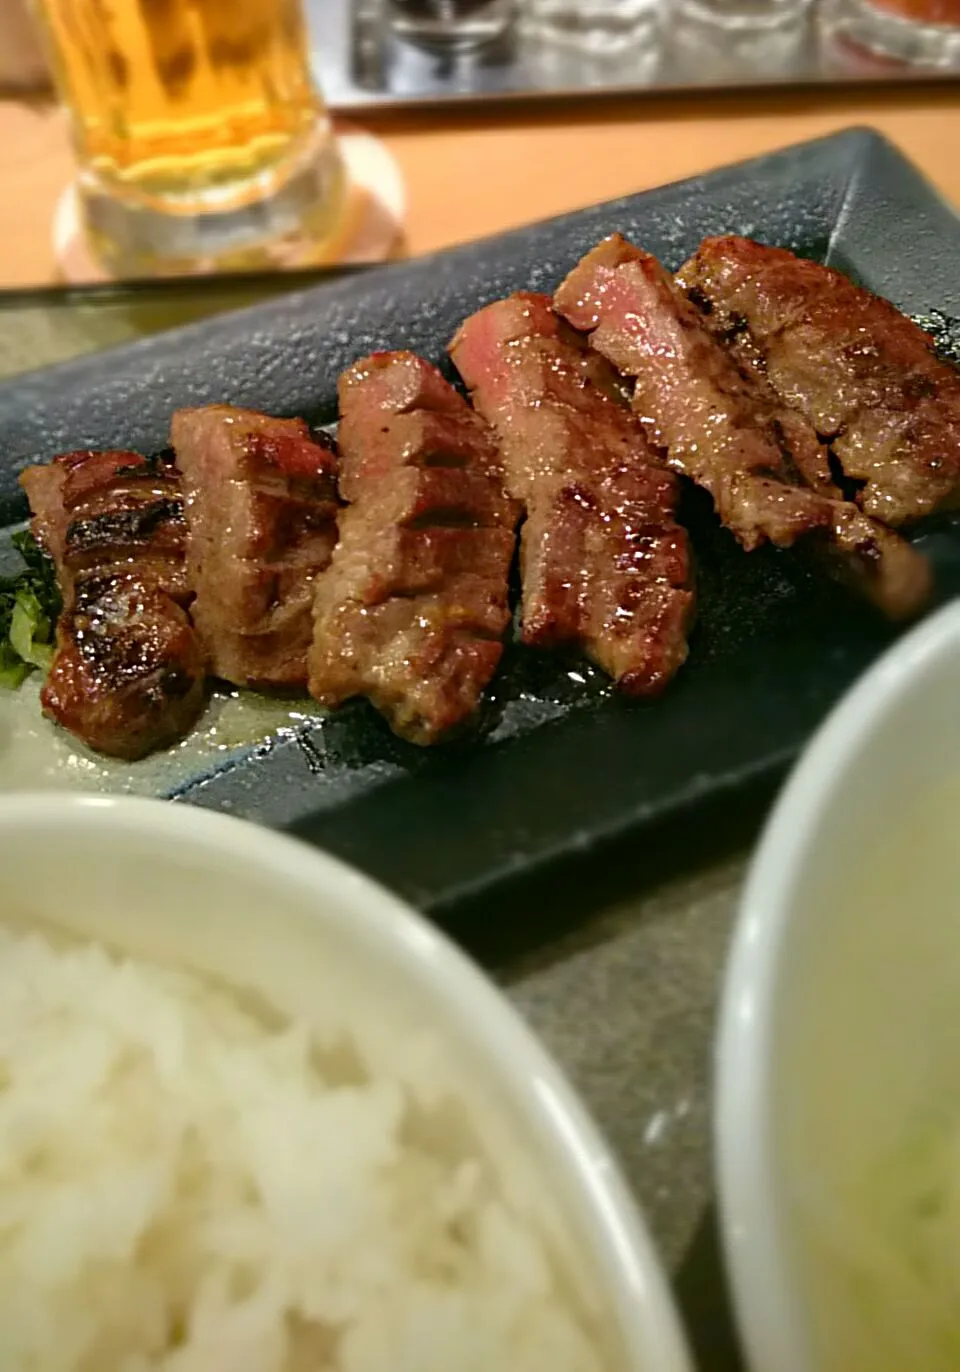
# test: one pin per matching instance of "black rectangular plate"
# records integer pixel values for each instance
(556, 771)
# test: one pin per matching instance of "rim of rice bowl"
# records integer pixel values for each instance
(553, 1123)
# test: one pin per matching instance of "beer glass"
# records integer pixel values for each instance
(201, 138)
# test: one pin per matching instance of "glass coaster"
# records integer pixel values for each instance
(369, 230)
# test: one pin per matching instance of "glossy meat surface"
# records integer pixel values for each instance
(261, 507)
(724, 428)
(862, 374)
(128, 669)
(414, 605)
(605, 566)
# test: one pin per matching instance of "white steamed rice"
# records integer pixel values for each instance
(185, 1186)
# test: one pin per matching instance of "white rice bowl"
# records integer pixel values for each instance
(190, 1184)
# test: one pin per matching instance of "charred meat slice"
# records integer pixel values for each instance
(128, 670)
(605, 566)
(413, 607)
(859, 371)
(763, 465)
(261, 507)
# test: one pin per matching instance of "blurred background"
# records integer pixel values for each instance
(224, 150)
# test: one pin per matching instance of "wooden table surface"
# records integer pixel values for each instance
(468, 175)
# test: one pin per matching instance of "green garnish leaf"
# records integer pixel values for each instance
(29, 606)
(13, 672)
(30, 630)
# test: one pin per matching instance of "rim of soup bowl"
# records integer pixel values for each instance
(631, 1273)
(768, 1309)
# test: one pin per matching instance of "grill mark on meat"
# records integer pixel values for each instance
(108, 638)
(604, 565)
(128, 673)
(848, 486)
(414, 605)
(789, 469)
(703, 302)
(261, 508)
(136, 525)
(152, 465)
(861, 373)
(725, 428)
(444, 519)
(443, 457)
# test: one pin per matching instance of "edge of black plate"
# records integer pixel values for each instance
(76, 402)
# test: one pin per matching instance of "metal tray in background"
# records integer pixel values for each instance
(558, 770)
(362, 66)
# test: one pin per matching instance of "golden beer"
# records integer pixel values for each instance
(189, 107)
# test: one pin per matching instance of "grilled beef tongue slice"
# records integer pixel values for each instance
(727, 430)
(413, 607)
(261, 508)
(863, 375)
(605, 566)
(128, 668)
